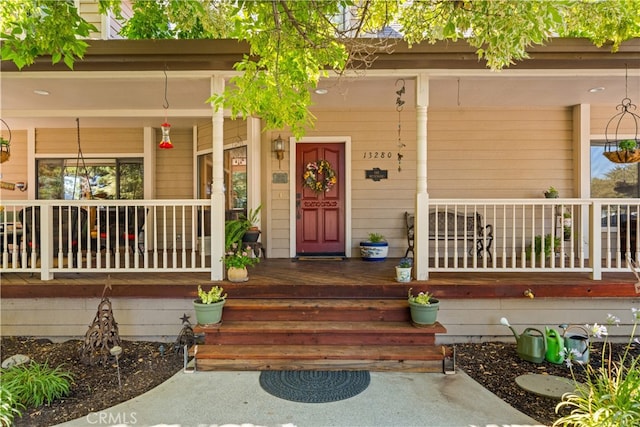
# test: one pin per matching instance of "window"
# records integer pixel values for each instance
(235, 178)
(612, 180)
(73, 179)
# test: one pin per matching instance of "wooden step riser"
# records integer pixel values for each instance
(236, 338)
(391, 315)
(320, 365)
(326, 290)
(319, 352)
(291, 357)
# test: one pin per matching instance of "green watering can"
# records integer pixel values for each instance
(555, 346)
(531, 345)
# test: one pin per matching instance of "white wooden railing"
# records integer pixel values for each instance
(106, 236)
(572, 235)
(559, 235)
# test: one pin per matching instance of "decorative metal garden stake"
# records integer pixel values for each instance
(116, 351)
(102, 334)
(186, 337)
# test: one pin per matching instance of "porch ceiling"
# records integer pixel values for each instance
(121, 83)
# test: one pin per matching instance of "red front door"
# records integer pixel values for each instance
(320, 216)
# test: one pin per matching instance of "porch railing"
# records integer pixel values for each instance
(573, 235)
(106, 236)
(501, 235)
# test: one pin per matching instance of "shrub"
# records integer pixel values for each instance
(34, 384)
(9, 408)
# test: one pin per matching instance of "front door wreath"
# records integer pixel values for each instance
(319, 176)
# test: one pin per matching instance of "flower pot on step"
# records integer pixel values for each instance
(235, 274)
(422, 314)
(403, 274)
(208, 314)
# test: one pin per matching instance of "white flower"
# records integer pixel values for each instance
(613, 320)
(597, 330)
(636, 313)
(571, 356)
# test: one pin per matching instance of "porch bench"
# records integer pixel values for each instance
(454, 226)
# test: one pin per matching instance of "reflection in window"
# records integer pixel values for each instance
(70, 179)
(235, 179)
(612, 180)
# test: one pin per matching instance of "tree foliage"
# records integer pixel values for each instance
(295, 43)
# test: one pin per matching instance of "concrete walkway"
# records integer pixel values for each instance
(204, 399)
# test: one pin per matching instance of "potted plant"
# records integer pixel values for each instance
(548, 246)
(626, 151)
(252, 231)
(551, 193)
(375, 248)
(566, 225)
(236, 260)
(5, 146)
(208, 306)
(423, 307)
(403, 270)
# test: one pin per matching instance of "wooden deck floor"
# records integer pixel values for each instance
(278, 278)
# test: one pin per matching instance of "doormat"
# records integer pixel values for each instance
(320, 258)
(314, 386)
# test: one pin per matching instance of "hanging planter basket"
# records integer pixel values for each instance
(623, 156)
(618, 149)
(5, 144)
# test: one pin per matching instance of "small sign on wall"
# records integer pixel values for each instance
(280, 178)
(376, 174)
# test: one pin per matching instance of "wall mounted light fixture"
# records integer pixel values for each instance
(278, 147)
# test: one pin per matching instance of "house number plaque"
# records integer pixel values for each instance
(376, 174)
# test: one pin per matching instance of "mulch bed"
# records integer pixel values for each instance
(143, 366)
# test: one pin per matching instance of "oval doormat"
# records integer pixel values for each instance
(314, 386)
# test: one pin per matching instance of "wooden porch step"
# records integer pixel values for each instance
(320, 357)
(319, 333)
(313, 309)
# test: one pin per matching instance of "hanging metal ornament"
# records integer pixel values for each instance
(166, 127)
(617, 149)
(399, 107)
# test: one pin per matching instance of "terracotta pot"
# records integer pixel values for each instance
(237, 274)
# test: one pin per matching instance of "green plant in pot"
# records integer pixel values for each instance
(403, 270)
(5, 146)
(548, 246)
(627, 144)
(236, 260)
(551, 193)
(375, 248)
(252, 231)
(208, 306)
(423, 307)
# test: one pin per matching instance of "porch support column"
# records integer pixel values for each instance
(254, 171)
(217, 186)
(421, 237)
